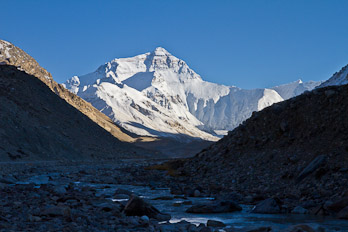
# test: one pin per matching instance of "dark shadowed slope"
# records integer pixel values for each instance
(296, 149)
(12, 55)
(36, 124)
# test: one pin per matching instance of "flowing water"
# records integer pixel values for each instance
(242, 219)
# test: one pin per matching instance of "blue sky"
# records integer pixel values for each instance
(248, 44)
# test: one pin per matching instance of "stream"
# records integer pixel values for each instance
(176, 207)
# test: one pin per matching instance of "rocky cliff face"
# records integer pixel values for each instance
(295, 150)
(12, 55)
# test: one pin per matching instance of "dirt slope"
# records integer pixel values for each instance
(12, 55)
(296, 149)
(36, 124)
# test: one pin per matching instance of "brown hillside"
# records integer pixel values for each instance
(36, 124)
(12, 55)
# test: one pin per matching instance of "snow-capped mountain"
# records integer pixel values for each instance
(338, 78)
(295, 88)
(157, 94)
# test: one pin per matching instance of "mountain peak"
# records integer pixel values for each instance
(159, 51)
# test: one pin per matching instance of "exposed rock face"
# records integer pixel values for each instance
(36, 124)
(296, 149)
(12, 55)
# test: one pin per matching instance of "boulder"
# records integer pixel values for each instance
(299, 210)
(215, 207)
(303, 228)
(56, 211)
(343, 214)
(268, 206)
(8, 180)
(123, 191)
(196, 193)
(138, 207)
(261, 229)
(312, 166)
(165, 198)
(214, 223)
(121, 196)
(337, 205)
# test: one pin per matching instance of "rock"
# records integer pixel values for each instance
(60, 189)
(177, 204)
(177, 227)
(56, 211)
(343, 214)
(205, 229)
(330, 92)
(176, 190)
(267, 206)
(187, 203)
(337, 205)
(260, 229)
(33, 218)
(8, 180)
(39, 180)
(284, 126)
(123, 191)
(214, 223)
(166, 198)
(105, 206)
(162, 217)
(138, 207)
(312, 166)
(145, 219)
(121, 196)
(215, 207)
(249, 199)
(318, 210)
(302, 228)
(196, 193)
(299, 210)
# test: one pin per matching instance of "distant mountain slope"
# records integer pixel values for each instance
(295, 88)
(157, 94)
(12, 55)
(36, 124)
(339, 78)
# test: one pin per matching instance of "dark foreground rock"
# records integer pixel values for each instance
(214, 223)
(215, 207)
(138, 207)
(268, 206)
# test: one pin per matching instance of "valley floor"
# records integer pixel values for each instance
(60, 196)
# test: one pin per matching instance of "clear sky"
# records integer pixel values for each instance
(248, 44)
